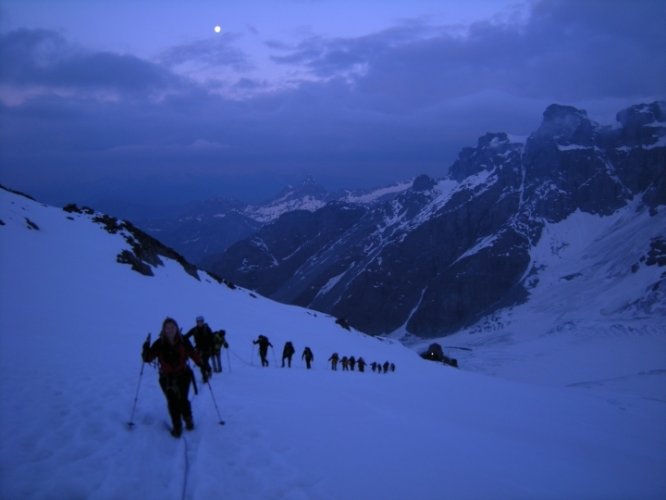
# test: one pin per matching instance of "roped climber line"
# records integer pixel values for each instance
(241, 359)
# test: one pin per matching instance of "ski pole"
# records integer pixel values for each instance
(193, 379)
(228, 360)
(130, 424)
(212, 395)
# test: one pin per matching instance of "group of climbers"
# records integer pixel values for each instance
(287, 352)
(350, 363)
(172, 350)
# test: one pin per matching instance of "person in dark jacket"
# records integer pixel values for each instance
(264, 344)
(287, 353)
(345, 363)
(219, 341)
(308, 357)
(361, 364)
(172, 352)
(352, 362)
(203, 341)
(334, 361)
(386, 367)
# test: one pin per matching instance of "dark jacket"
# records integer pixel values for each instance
(219, 340)
(172, 358)
(203, 337)
(288, 350)
(263, 342)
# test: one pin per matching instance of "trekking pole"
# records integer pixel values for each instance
(130, 424)
(215, 403)
(228, 360)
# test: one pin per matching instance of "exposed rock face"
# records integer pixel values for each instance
(443, 253)
(145, 250)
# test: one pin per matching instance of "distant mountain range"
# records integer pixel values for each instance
(202, 231)
(431, 256)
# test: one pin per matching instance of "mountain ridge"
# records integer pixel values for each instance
(439, 255)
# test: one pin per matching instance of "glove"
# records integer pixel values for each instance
(146, 347)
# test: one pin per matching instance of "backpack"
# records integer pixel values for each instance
(219, 339)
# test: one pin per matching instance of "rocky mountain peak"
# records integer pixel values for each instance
(643, 114)
(423, 183)
(492, 150)
(307, 187)
(566, 125)
(643, 124)
(493, 141)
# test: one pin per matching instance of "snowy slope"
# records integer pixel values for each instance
(273, 210)
(308, 195)
(72, 321)
(373, 195)
(596, 312)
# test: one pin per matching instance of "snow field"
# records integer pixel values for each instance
(72, 322)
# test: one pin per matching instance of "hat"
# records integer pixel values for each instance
(200, 318)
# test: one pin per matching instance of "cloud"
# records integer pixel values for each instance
(563, 49)
(373, 109)
(326, 57)
(46, 59)
(218, 51)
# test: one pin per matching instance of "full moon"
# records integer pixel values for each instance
(217, 28)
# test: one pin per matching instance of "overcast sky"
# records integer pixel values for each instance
(145, 102)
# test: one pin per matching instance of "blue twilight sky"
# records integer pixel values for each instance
(142, 102)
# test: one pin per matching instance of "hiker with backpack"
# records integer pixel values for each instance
(203, 341)
(287, 353)
(219, 341)
(264, 344)
(308, 357)
(172, 352)
(334, 361)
